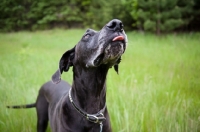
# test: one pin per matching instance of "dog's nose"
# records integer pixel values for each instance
(115, 25)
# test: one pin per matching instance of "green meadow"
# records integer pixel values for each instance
(157, 89)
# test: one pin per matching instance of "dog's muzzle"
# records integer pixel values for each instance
(112, 42)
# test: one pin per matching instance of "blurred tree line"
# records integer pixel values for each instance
(146, 15)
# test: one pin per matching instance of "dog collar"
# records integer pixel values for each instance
(95, 118)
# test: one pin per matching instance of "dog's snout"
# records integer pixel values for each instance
(115, 25)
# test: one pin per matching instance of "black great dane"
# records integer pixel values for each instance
(82, 106)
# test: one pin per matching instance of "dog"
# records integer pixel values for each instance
(82, 106)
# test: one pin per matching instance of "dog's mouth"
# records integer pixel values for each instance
(112, 52)
(118, 38)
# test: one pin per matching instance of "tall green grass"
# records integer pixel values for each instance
(157, 89)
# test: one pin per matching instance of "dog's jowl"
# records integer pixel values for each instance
(81, 107)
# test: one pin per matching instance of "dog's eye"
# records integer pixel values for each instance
(86, 36)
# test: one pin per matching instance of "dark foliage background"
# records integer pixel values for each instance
(157, 16)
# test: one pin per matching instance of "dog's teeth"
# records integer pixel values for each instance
(118, 38)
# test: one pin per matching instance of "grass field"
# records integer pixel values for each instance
(157, 89)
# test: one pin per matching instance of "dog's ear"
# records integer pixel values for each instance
(65, 62)
(116, 66)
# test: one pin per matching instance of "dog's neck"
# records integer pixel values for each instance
(89, 88)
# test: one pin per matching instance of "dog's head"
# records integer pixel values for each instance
(96, 48)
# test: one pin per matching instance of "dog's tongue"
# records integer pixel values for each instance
(118, 38)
